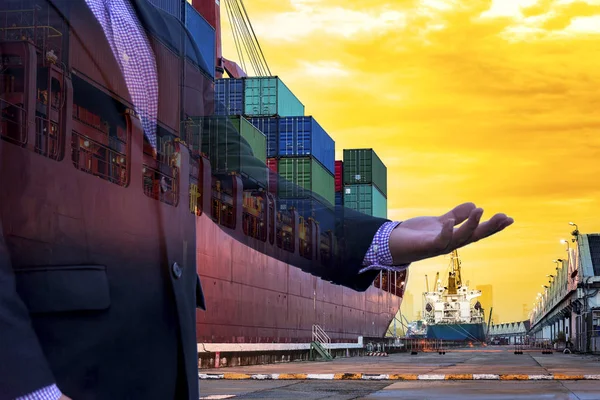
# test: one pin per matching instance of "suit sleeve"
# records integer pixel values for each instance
(23, 367)
(222, 142)
(353, 231)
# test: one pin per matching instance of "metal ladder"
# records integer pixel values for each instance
(319, 344)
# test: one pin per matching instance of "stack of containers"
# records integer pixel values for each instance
(224, 152)
(365, 182)
(229, 97)
(339, 183)
(297, 148)
(306, 161)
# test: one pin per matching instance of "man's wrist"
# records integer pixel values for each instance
(379, 255)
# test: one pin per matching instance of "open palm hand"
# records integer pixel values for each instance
(425, 237)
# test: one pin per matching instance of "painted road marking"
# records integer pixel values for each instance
(375, 377)
(400, 377)
(486, 377)
(431, 377)
(327, 377)
(218, 397)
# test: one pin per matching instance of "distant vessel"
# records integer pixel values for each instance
(448, 310)
(416, 329)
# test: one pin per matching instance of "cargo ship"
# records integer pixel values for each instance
(449, 310)
(86, 187)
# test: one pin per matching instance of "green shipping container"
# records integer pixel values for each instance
(305, 175)
(268, 96)
(366, 199)
(222, 141)
(363, 166)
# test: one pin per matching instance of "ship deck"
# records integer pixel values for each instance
(470, 373)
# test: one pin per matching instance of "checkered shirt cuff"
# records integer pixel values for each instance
(379, 255)
(47, 393)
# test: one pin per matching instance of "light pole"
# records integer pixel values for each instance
(575, 233)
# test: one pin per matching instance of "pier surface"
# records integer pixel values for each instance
(473, 373)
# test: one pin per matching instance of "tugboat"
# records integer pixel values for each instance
(449, 312)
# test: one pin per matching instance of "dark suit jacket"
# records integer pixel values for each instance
(98, 283)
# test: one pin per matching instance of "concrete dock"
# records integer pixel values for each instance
(477, 373)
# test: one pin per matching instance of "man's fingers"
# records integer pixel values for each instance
(463, 234)
(459, 213)
(497, 223)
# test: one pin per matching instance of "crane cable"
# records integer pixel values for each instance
(245, 38)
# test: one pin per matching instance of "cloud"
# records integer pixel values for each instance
(306, 19)
(325, 69)
(494, 102)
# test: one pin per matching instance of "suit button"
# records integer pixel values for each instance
(176, 270)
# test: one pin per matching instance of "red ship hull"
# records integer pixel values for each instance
(64, 206)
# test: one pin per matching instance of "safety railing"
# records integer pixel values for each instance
(160, 186)
(253, 226)
(28, 25)
(99, 160)
(223, 211)
(195, 187)
(13, 123)
(284, 235)
(305, 241)
(319, 335)
(48, 140)
(325, 248)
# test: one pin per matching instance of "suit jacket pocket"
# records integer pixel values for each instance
(60, 289)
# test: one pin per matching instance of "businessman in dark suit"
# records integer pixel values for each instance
(154, 357)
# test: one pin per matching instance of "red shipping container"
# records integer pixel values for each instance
(272, 164)
(339, 176)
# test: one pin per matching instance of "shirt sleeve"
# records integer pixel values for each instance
(47, 393)
(379, 256)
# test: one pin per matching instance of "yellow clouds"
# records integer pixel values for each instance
(495, 102)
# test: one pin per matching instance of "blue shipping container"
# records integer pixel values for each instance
(171, 7)
(270, 127)
(229, 97)
(303, 136)
(311, 208)
(204, 37)
(339, 199)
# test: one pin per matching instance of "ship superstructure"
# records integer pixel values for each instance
(449, 310)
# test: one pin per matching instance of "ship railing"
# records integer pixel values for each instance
(253, 225)
(223, 211)
(27, 25)
(160, 186)
(99, 160)
(319, 335)
(13, 123)
(195, 187)
(325, 248)
(47, 138)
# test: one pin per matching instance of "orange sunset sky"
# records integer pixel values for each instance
(495, 102)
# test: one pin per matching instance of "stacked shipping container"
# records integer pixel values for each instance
(204, 36)
(269, 96)
(224, 154)
(339, 183)
(365, 182)
(303, 177)
(258, 97)
(363, 166)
